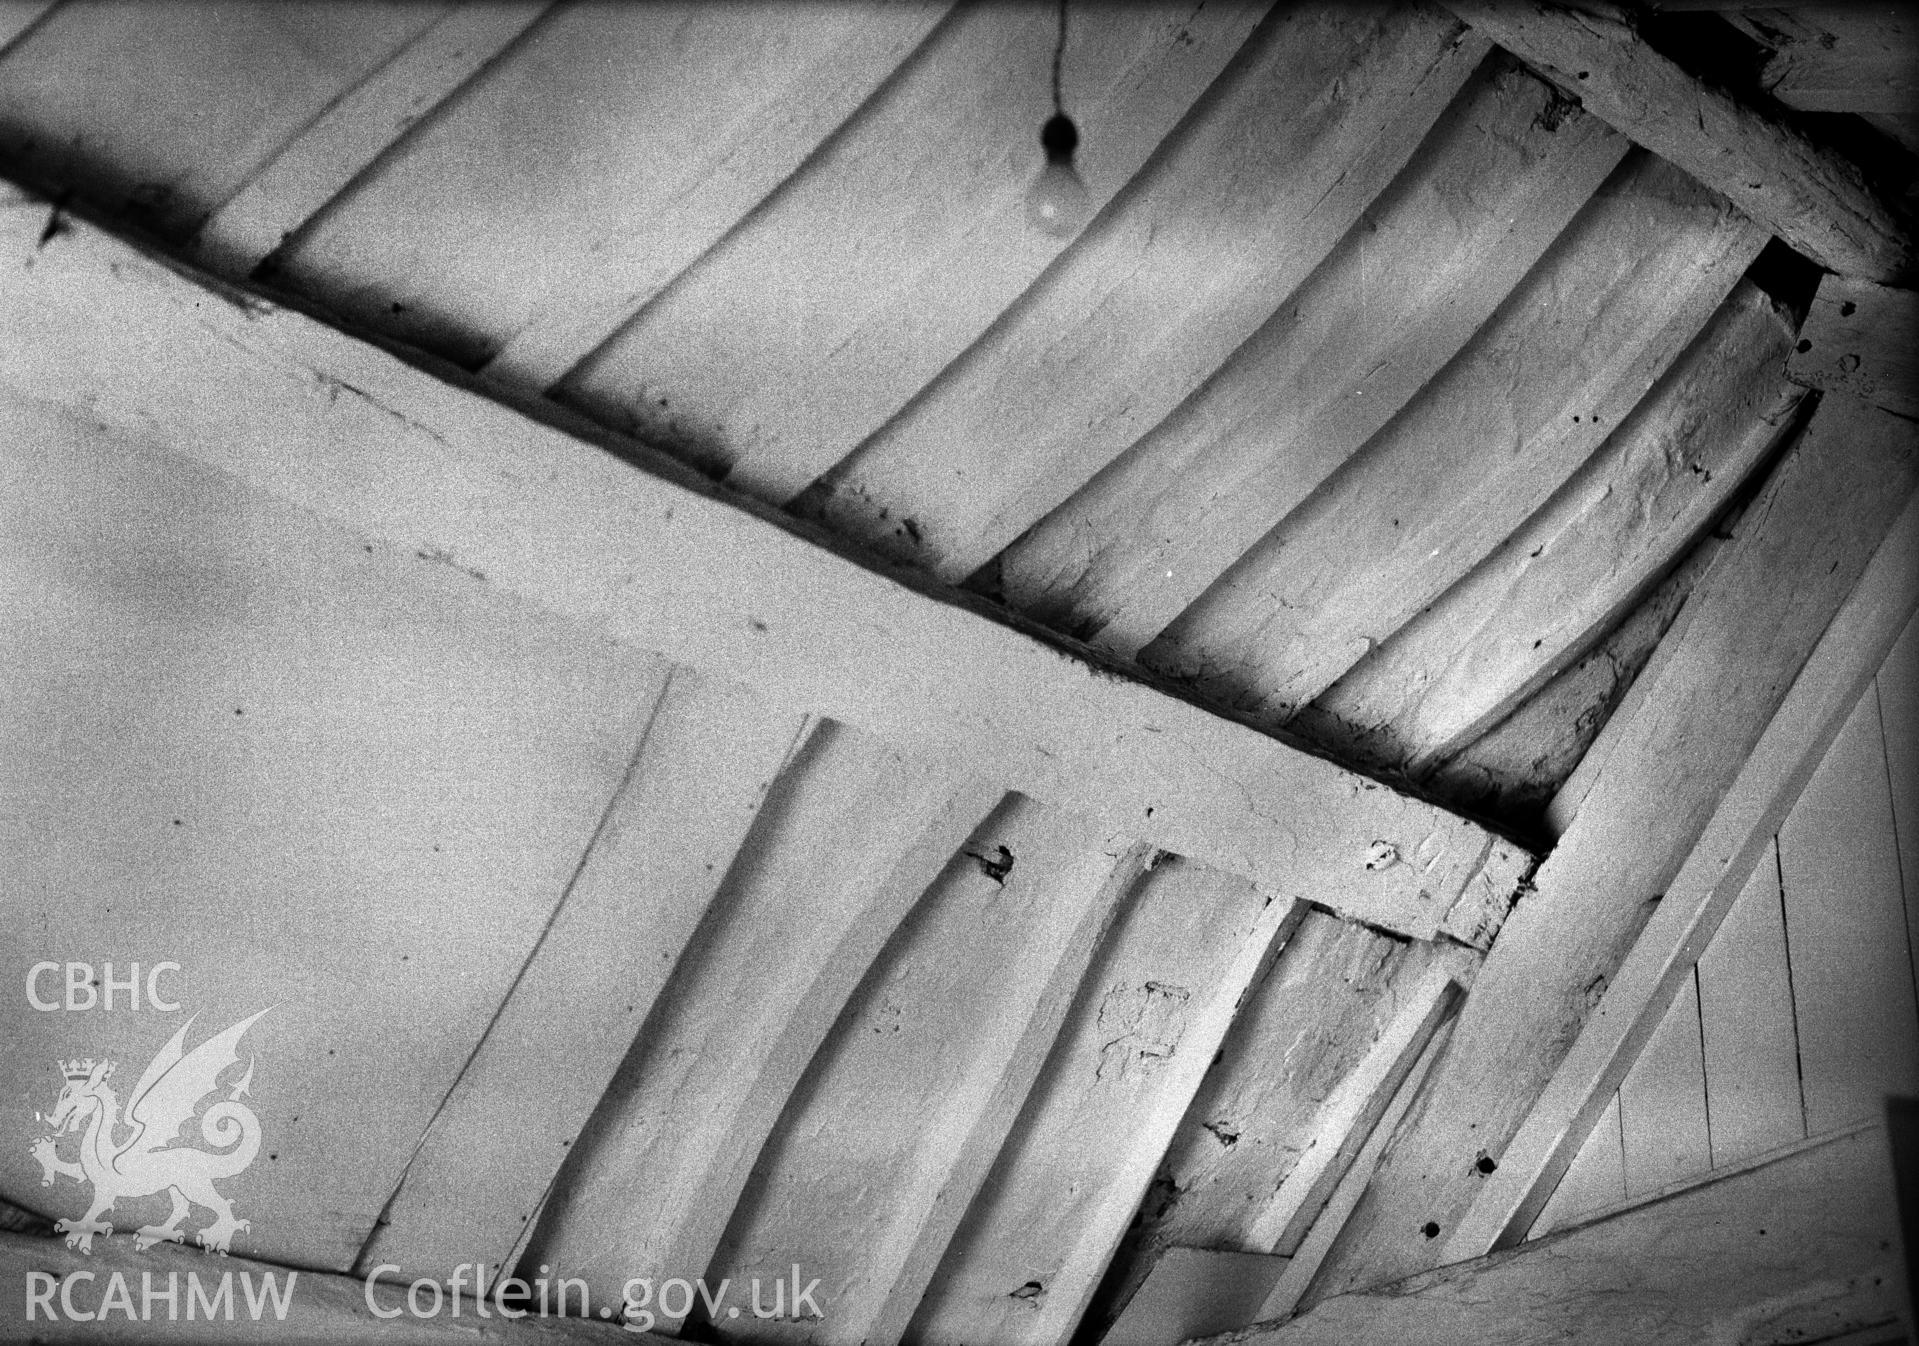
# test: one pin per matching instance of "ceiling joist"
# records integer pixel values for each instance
(1181, 958)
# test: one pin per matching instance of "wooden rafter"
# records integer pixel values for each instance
(1815, 200)
(693, 788)
(1094, 355)
(1501, 429)
(350, 433)
(1585, 559)
(858, 832)
(858, 315)
(1145, 1026)
(1662, 768)
(1354, 1107)
(1856, 57)
(1293, 1086)
(1494, 184)
(1843, 664)
(1191, 1291)
(992, 962)
(346, 138)
(701, 176)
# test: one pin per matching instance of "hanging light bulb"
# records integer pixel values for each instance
(1057, 202)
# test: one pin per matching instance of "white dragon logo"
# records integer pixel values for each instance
(164, 1100)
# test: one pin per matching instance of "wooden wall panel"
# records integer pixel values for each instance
(1898, 687)
(1745, 1013)
(1662, 1102)
(1681, 1268)
(1852, 977)
(1830, 516)
(1717, 1084)
(1689, 907)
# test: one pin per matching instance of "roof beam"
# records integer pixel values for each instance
(1814, 199)
(859, 319)
(777, 89)
(1187, 1292)
(299, 411)
(1495, 183)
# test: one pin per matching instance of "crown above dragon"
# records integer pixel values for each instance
(81, 1069)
